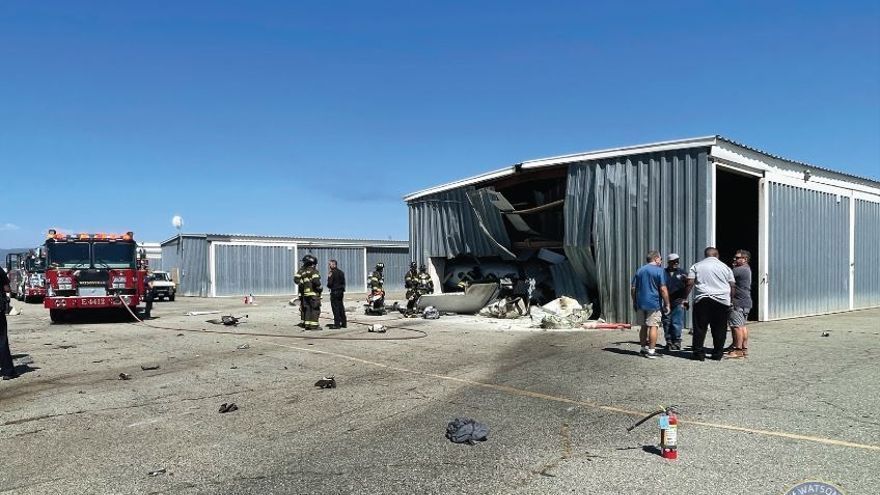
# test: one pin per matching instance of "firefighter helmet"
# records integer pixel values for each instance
(309, 260)
(412, 265)
(380, 266)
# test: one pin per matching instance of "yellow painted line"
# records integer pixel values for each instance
(592, 405)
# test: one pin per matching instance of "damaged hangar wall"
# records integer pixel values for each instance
(617, 209)
(186, 258)
(445, 225)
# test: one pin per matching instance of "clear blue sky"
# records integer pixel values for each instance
(314, 118)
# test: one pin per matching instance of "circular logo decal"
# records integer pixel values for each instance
(814, 488)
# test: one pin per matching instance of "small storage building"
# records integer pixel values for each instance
(216, 265)
(582, 224)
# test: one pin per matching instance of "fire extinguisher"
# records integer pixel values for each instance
(668, 422)
(669, 433)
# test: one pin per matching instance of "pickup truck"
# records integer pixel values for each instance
(161, 285)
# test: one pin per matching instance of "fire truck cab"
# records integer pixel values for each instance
(26, 273)
(91, 271)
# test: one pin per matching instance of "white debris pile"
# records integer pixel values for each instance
(563, 313)
(506, 308)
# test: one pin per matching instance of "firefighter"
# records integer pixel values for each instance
(409, 281)
(376, 298)
(309, 281)
(469, 278)
(377, 279)
(423, 285)
(148, 297)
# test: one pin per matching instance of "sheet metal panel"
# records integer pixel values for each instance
(808, 272)
(260, 270)
(186, 259)
(396, 265)
(641, 202)
(867, 254)
(444, 225)
(349, 260)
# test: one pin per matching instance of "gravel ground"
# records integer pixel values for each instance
(557, 404)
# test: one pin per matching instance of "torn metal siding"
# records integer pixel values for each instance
(642, 202)
(444, 225)
(809, 252)
(253, 269)
(186, 258)
(867, 254)
(396, 264)
(349, 259)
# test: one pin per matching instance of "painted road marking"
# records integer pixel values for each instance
(592, 405)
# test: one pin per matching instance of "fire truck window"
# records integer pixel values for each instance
(70, 254)
(116, 255)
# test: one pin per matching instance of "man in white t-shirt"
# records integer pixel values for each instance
(714, 285)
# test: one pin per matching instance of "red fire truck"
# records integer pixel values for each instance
(91, 271)
(26, 273)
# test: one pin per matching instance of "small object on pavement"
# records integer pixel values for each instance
(157, 472)
(200, 313)
(466, 430)
(326, 382)
(431, 313)
(826, 334)
(243, 346)
(124, 376)
(377, 328)
(225, 408)
(149, 367)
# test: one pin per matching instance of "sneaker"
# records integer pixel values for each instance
(729, 349)
(676, 346)
(643, 351)
(333, 327)
(698, 356)
(650, 355)
(735, 354)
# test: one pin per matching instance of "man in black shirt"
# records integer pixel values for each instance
(336, 284)
(7, 368)
(673, 320)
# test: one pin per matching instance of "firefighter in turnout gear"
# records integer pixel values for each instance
(376, 298)
(423, 285)
(309, 282)
(409, 281)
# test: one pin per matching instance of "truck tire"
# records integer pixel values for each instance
(56, 315)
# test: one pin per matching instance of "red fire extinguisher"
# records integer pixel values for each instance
(668, 422)
(669, 433)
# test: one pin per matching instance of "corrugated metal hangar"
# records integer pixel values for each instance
(582, 223)
(213, 265)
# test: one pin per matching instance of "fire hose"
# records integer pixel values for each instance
(417, 334)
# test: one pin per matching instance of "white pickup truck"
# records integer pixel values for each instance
(161, 285)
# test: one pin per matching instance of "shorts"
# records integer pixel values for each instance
(648, 318)
(738, 317)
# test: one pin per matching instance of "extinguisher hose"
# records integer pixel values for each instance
(655, 413)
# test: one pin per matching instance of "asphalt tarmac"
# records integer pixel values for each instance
(801, 407)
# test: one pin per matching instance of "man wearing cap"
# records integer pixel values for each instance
(673, 321)
(650, 299)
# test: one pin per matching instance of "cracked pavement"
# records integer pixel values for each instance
(70, 425)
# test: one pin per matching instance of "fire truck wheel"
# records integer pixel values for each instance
(56, 315)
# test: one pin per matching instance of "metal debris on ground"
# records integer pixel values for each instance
(431, 313)
(506, 307)
(573, 320)
(225, 408)
(124, 376)
(201, 313)
(243, 346)
(228, 320)
(150, 367)
(376, 327)
(562, 306)
(826, 334)
(326, 382)
(157, 472)
(466, 430)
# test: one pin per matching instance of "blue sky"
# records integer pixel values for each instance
(314, 118)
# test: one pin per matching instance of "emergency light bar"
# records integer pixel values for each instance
(53, 234)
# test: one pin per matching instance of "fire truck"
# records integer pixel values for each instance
(26, 273)
(91, 271)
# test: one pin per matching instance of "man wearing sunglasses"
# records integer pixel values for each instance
(742, 304)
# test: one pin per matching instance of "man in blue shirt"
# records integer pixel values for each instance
(650, 300)
(673, 321)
